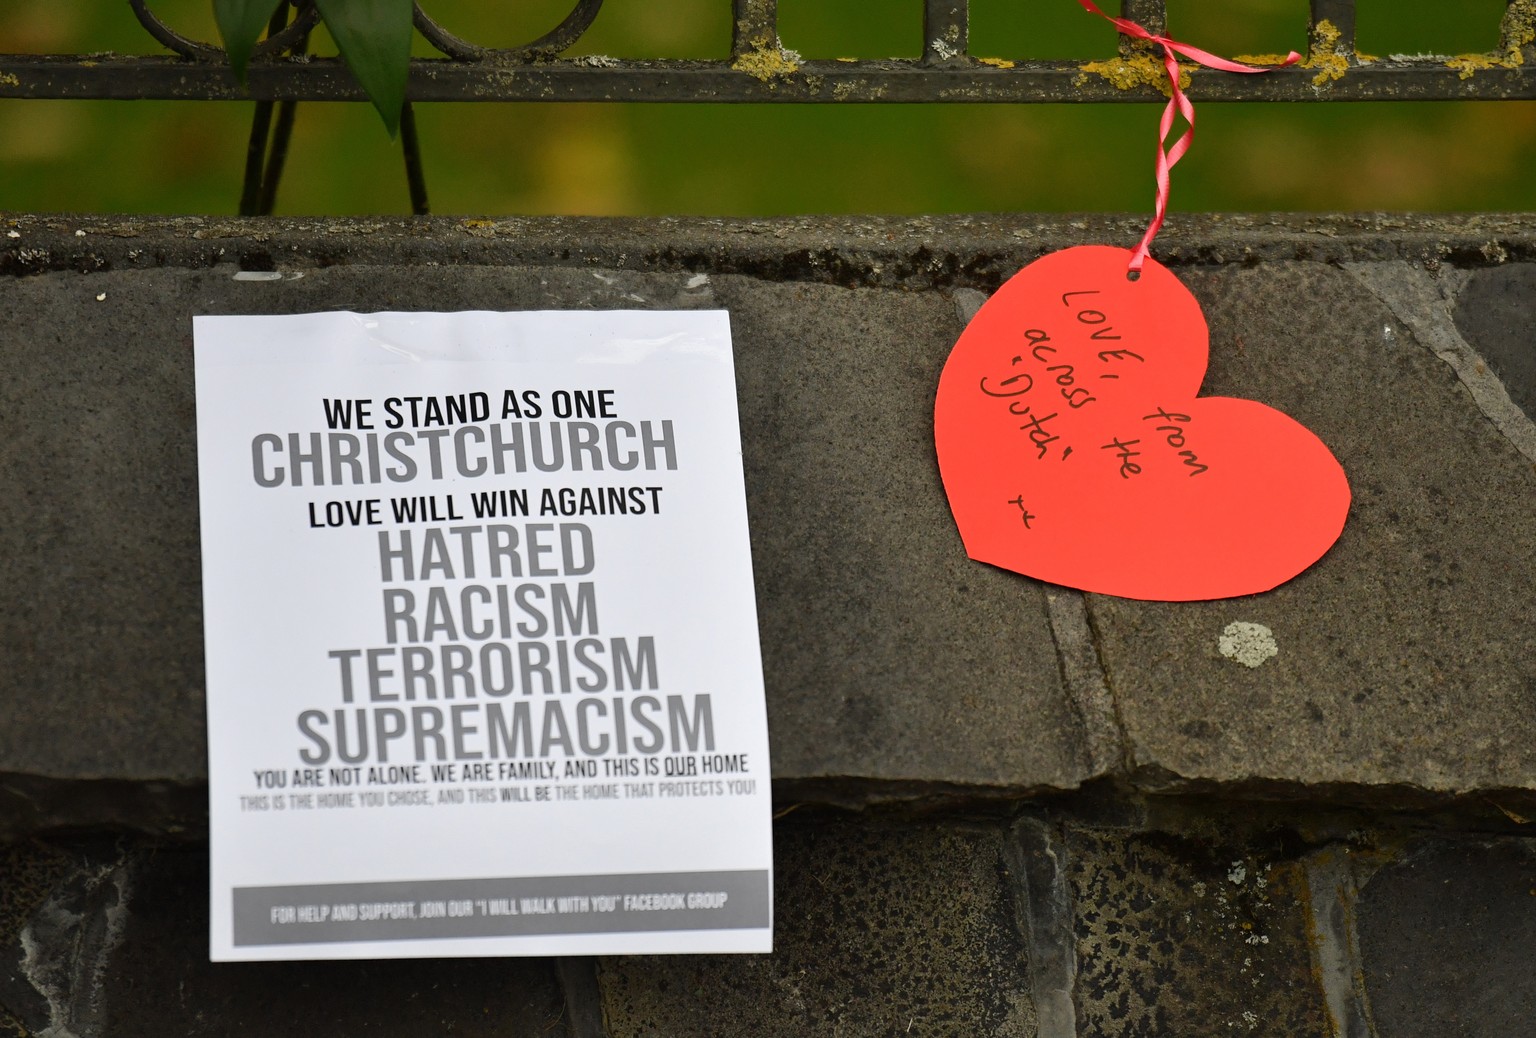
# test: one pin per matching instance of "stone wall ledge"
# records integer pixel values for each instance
(975, 251)
(1089, 917)
(896, 667)
(173, 813)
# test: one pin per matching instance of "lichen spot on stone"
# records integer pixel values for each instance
(1248, 644)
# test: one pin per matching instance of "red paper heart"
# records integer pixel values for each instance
(1073, 447)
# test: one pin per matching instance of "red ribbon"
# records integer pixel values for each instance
(1167, 157)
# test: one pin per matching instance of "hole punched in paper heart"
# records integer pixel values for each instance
(1073, 448)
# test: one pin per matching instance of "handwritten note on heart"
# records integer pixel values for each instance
(1073, 447)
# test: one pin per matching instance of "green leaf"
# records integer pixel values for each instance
(241, 23)
(375, 39)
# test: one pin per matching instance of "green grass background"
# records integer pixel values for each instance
(751, 160)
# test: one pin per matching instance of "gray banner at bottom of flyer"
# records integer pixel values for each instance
(510, 907)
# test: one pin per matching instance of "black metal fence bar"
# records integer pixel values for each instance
(812, 81)
(754, 28)
(1340, 15)
(1151, 15)
(946, 31)
(760, 70)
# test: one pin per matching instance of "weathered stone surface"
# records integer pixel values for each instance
(881, 925)
(1448, 938)
(888, 655)
(1101, 917)
(912, 253)
(877, 931)
(29, 874)
(154, 990)
(60, 952)
(113, 946)
(1496, 313)
(1403, 658)
(895, 667)
(1190, 934)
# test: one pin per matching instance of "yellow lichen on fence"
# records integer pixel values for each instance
(1519, 26)
(1325, 54)
(1517, 31)
(1130, 73)
(766, 63)
(1469, 64)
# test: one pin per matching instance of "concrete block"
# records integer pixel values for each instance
(895, 667)
(878, 930)
(115, 945)
(888, 655)
(1190, 933)
(1446, 937)
(1404, 664)
(1496, 313)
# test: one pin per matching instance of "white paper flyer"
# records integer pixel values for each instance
(483, 664)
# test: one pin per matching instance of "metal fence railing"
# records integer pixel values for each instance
(759, 68)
